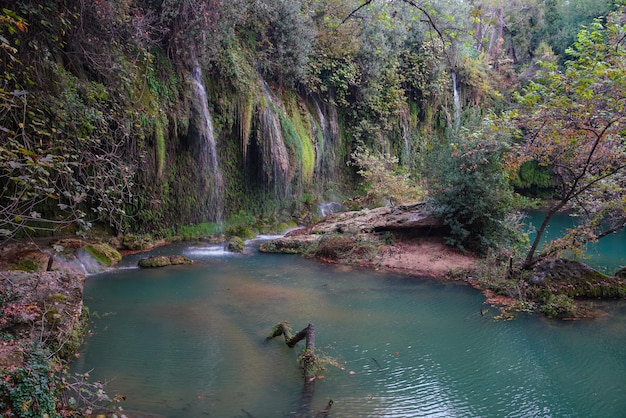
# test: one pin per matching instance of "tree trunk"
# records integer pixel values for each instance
(310, 364)
(530, 256)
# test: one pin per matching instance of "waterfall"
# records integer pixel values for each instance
(208, 146)
(275, 156)
(328, 208)
(327, 147)
(457, 102)
(321, 138)
(405, 129)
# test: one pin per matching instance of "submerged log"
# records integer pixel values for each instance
(310, 363)
(283, 328)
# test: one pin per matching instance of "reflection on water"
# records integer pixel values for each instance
(189, 341)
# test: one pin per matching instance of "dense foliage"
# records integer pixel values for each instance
(470, 191)
(144, 116)
(572, 121)
(199, 117)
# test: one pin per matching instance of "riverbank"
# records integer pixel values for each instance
(42, 281)
(405, 238)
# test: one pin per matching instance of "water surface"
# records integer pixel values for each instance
(189, 341)
(607, 254)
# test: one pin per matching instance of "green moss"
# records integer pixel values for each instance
(559, 306)
(293, 142)
(236, 245)
(163, 261)
(137, 242)
(103, 253)
(303, 129)
(156, 261)
(28, 266)
(160, 149)
(75, 339)
(201, 230)
(242, 231)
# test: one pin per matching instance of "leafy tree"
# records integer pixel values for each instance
(573, 123)
(281, 33)
(563, 19)
(469, 190)
(199, 29)
(385, 181)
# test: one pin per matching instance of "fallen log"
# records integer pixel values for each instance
(309, 362)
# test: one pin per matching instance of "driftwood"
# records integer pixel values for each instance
(309, 361)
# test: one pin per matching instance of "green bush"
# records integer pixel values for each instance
(471, 195)
(559, 306)
(28, 391)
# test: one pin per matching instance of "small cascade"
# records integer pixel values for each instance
(328, 208)
(208, 158)
(276, 167)
(405, 131)
(457, 102)
(328, 141)
(321, 138)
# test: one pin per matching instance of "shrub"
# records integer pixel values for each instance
(345, 247)
(471, 195)
(559, 306)
(385, 181)
(28, 390)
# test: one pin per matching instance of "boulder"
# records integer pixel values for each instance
(406, 218)
(576, 279)
(235, 245)
(104, 254)
(163, 261)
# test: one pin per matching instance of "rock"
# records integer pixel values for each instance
(137, 242)
(413, 219)
(235, 245)
(398, 218)
(576, 279)
(163, 261)
(621, 273)
(293, 244)
(104, 253)
(10, 355)
(51, 300)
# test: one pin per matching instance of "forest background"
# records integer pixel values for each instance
(188, 117)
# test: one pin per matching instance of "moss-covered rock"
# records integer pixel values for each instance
(163, 261)
(244, 232)
(31, 261)
(137, 242)
(236, 245)
(304, 244)
(104, 254)
(575, 280)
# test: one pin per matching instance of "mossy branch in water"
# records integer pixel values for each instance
(308, 359)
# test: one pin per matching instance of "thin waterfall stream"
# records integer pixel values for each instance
(457, 102)
(209, 158)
